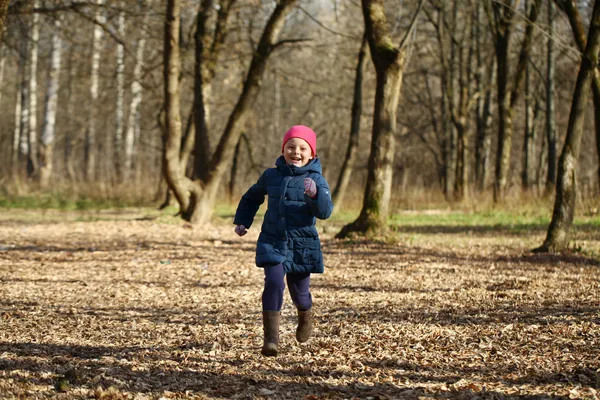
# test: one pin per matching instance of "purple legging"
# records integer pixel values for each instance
(299, 286)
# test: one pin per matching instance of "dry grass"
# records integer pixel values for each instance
(130, 308)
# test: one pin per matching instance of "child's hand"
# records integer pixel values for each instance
(240, 230)
(310, 188)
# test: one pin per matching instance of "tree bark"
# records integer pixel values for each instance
(32, 139)
(550, 112)
(48, 127)
(3, 14)
(120, 112)
(20, 89)
(566, 189)
(172, 64)
(90, 143)
(2, 67)
(348, 165)
(528, 137)
(389, 61)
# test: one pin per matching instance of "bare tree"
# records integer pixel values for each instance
(566, 189)
(390, 61)
(350, 159)
(579, 32)
(502, 25)
(49, 124)
(90, 137)
(196, 201)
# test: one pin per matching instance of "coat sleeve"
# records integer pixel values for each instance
(250, 203)
(322, 205)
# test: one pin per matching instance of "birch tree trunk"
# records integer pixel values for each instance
(120, 112)
(22, 109)
(90, 145)
(389, 61)
(48, 127)
(133, 121)
(348, 165)
(566, 190)
(32, 155)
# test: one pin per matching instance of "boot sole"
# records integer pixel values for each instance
(269, 350)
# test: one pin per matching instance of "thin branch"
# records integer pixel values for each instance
(411, 26)
(326, 28)
(286, 41)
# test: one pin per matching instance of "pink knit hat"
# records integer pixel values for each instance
(302, 132)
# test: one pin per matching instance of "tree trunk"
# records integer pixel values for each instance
(507, 99)
(550, 113)
(579, 32)
(32, 155)
(172, 64)
(348, 165)
(48, 128)
(389, 61)
(206, 54)
(3, 14)
(133, 120)
(2, 66)
(528, 138)
(20, 89)
(566, 190)
(484, 123)
(70, 137)
(90, 149)
(118, 138)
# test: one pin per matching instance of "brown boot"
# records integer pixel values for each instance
(271, 329)
(304, 329)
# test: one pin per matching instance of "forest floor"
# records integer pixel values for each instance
(119, 305)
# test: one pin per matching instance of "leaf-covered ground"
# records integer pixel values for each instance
(126, 308)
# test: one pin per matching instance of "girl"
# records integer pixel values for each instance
(288, 244)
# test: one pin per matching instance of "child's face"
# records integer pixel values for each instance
(297, 152)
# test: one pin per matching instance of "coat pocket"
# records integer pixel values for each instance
(307, 251)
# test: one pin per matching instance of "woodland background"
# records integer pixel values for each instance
(109, 48)
(102, 98)
(135, 303)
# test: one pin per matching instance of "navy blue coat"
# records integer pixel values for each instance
(288, 234)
